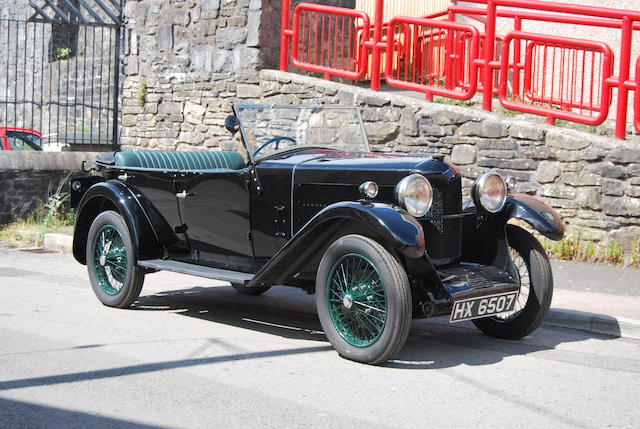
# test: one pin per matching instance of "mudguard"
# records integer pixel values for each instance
(484, 238)
(147, 227)
(536, 213)
(391, 225)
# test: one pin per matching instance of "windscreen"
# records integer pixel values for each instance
(270, 129)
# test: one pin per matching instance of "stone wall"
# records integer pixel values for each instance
(187, 62)
(27, 179)
(593, 181)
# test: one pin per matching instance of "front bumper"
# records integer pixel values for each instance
(465, 281)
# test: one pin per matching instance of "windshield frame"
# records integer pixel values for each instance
(244, 132)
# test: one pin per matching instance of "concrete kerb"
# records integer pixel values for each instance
(594, 323)
(58, 242)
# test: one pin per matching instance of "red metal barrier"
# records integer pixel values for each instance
(561, 75)
(436, 57)
(556, 77)
(324, 40)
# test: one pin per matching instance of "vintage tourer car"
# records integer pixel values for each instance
(301, 201)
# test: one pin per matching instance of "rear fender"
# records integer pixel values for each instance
(392, 226)
(147, 227)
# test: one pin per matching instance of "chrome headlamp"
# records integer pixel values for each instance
(414, 194)
(489, 191)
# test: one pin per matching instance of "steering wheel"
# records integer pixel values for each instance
(277, 140)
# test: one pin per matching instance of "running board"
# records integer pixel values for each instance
(197, 270)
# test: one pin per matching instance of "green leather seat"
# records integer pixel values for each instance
(182, 160)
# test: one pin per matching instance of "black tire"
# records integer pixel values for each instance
(354, 327)
(115, 276)
(256, 290)
(540, 289)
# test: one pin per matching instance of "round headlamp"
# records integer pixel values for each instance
(489, 191)
(415, 195)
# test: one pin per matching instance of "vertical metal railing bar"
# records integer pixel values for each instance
(15, 77)
(116, 85)
(93, 68)
(85, 30)
(584, 58)
(350, 57)
(6, 88)
(100, 136)
(334, 63)
(57, 102)
(34, 66)
(24, 78)
(66, 104)
(342, 18)
(109, 86)
(75, 90)
(43, 56)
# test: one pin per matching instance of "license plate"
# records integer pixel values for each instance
(474, 308)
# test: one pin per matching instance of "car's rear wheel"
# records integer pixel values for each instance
(255, 290)
(532, 269)
(363, 299)
(115, 278)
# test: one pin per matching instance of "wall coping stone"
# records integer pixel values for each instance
(44, 161)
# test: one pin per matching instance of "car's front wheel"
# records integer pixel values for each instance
(363, 299)
(532, 269)
(115, 277)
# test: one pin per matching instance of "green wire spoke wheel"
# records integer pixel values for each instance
(363, 299)
(115, 277)
(110, 260)
(356, 300)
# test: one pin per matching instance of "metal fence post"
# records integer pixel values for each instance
(377, 37)
(284, 26)
(489, 45)
(623, 75)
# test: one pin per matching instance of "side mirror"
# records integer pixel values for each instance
(232, 124)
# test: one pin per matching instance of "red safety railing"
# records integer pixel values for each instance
(420, 61)
(556, 77)
(330, 40)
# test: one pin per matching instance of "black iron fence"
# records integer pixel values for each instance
(60, 79)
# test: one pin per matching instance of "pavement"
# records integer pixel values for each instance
(595, 298)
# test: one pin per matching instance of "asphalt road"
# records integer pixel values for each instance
(193, 355)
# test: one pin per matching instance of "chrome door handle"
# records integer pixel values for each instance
(184, 194)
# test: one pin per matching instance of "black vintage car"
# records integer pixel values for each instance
(379, 238)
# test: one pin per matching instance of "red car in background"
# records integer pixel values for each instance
(12, 138)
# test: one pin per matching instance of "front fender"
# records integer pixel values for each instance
(536, 213)
(116, 195)
(391, 225)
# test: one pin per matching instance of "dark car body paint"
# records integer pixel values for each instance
(149, 231)
(390, 224)
(275, 218)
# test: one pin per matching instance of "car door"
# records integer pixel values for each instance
(159, 188)
(214, 206)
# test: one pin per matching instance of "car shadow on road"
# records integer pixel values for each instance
(291, 313)
(16, 414)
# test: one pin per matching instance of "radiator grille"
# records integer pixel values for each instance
(444, 236)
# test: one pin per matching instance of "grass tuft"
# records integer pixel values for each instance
(50, 216)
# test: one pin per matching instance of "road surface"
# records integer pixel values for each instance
(194, 353)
